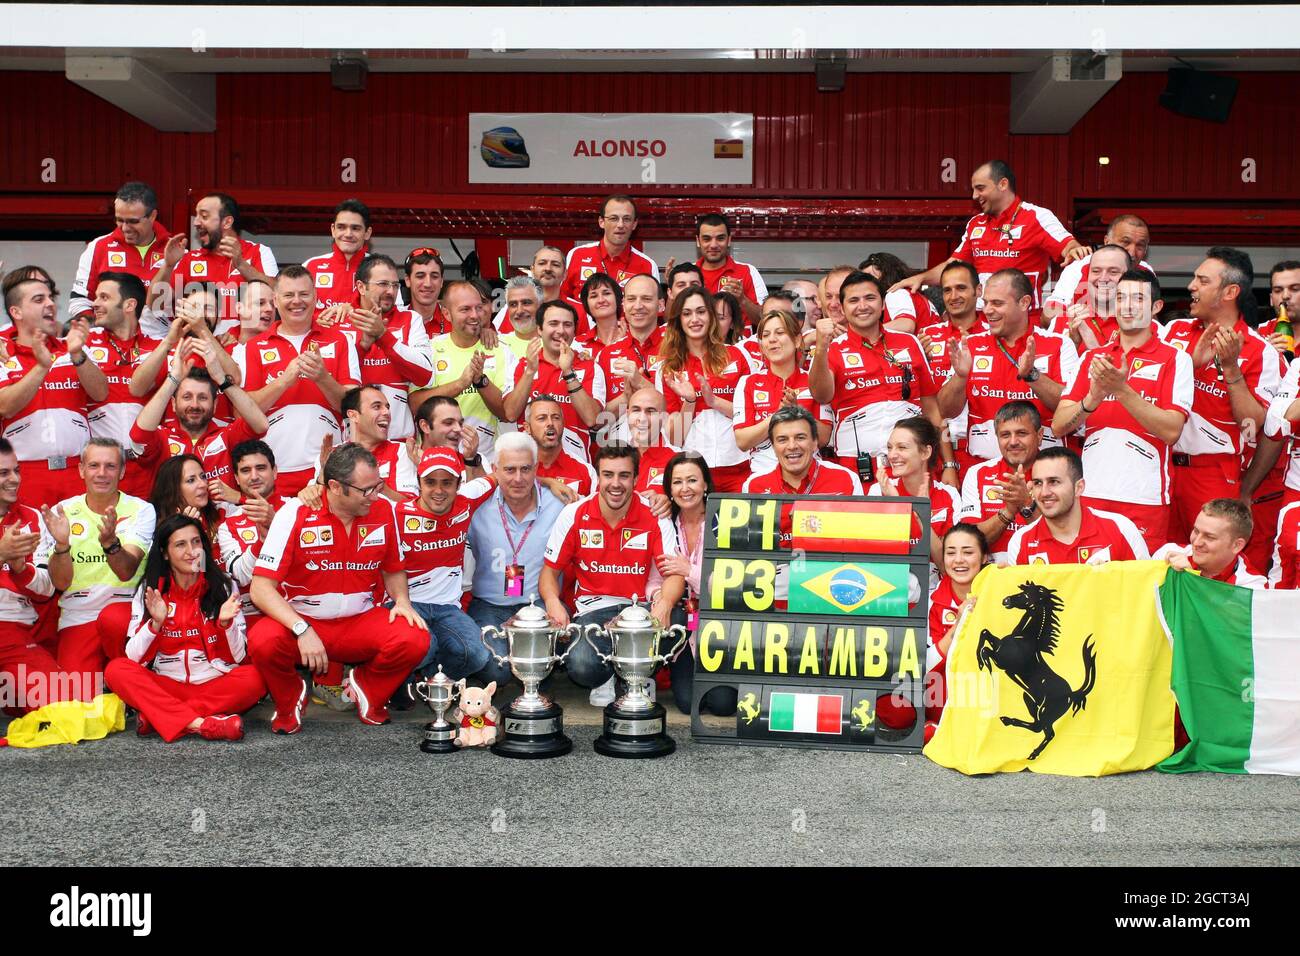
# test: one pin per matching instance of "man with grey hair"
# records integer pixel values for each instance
(510, 532)
(316, 580)
(806, 305)
(94, 548)
(523, 298)
(547, 270)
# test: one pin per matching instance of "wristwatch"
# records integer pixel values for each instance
(301, 628)
(474, 461)
(480, 382)
(1033, 376)
(113, 549)
(227, 383)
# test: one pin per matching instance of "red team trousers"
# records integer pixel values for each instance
(172, 705)
(86, 648)
(29, 674)
(1207, 477)
(43, 485)
(384, 654)
(1152, 520)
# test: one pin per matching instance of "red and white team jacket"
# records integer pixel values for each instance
(1024, 236)
(398, 358)
(19, 590)
(585, 260)
(190, 648)
(324, 570)
(112, 253)
(433, 546)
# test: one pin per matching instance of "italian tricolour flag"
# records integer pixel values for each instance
(805, 713)
(1236, 674)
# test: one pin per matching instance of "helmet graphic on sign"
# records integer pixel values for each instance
(503, 148)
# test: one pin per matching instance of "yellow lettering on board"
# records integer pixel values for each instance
(875, 652)
(775, 638)
(733, 513)
(909, 662)
(810, 657)
(843, 652)
(728, 573)
(744, 657)
(710, 659)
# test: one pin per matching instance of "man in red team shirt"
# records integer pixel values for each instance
(242, 531)
(1008, 233)
(256, 313)
(334, 274)
(48, 388)
(613, 254)
(722, 273)
(871, 377)
(646, 431)
(134, 246)
(1069, 532)
(366, 412)
(1127, 231)
(223, 262)
(681, 277)
(995, 494)
(298, 374)
(960, 284)
(316, 581)
(544, 421)
(553, 367)
(630, 363)
(792, 432)
(391, 344)
(1222, 528)
(116, 345)
(1013, 361)
(1237, 374)
(191, 395)
(1090, 323)
(1133, 395)
(433, 529)
(607, 545)
(424, 279)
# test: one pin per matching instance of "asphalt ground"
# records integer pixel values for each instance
(340, 793)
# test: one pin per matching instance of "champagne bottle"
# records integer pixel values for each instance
(1284, 328)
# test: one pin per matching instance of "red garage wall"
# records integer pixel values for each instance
(886, 135)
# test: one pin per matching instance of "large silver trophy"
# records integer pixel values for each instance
(438, 692)
(532, 726)
(634, 723)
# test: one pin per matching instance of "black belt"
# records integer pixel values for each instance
(1182, 460)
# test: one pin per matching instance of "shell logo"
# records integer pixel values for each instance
(442, 365)
(78, 528)
(117, 259)
(309, 537)
(413, 524)
(98, 355)
(983, 363)
(271, 355)
(198, 269)
(324, 280)
(248, 534)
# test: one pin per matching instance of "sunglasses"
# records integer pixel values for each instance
(423, 251)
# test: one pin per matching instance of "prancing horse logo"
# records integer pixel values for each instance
(1019, 655)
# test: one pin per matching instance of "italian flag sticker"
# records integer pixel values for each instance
(805, 713)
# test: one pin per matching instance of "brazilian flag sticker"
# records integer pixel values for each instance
(832, 587)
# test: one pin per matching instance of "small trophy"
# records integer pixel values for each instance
(532, 726)
(438, 693)
(634, 724)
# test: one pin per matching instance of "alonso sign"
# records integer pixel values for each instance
(612, 148)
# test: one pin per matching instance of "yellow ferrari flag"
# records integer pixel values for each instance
(68, 722)
(1059, 669)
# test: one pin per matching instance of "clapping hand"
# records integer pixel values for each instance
(229, 608)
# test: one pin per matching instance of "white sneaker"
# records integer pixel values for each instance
(602, 695)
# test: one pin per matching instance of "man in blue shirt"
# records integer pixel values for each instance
(508, 536)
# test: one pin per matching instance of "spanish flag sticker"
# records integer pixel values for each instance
(728, 149)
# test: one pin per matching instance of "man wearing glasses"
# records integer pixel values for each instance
(298, 373)
(134, 246)
(871, 377)
(316, 580)
(613, 254)
(391, 344)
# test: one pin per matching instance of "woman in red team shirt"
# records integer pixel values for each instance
(180, 488)
(183, 670)
(762, 393)
(697, 375)
(911, 448)
(603, 301)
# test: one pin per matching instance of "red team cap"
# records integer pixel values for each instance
(446, 459)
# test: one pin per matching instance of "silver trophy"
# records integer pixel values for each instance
(438, 692)
(634, 723)
(532, 725)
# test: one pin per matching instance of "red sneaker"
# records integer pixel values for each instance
(930, 727)
(222, 727)
(370, 711)
(142, 725)
(291, 722)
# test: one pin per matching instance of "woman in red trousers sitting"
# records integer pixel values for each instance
(183, 668)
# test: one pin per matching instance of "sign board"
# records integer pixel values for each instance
(812, 609)
(612, 148)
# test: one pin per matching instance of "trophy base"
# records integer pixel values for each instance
(532, 735)
(635, 734)
(439, 741)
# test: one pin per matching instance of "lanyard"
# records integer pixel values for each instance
(112, 341)
(810, 481)
(1006, 353)
(694, 552)
(505, 526)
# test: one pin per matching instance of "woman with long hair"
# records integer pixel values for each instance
(183, 670)
(697, 375)
(910, 452)
(181, 488)
(731, 322)
(602, 299)
(965, 552)
(783, 382)
(688, 483)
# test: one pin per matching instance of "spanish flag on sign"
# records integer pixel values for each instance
(861, 527)
(728, 149)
